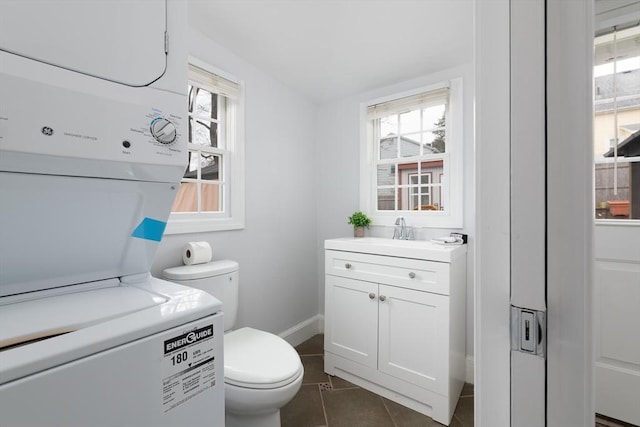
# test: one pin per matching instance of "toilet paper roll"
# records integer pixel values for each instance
(196, 253)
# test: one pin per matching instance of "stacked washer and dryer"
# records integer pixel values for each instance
(92, 149)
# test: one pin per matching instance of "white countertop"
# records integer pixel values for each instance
(417, 249)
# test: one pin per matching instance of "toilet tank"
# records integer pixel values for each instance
(218, 278)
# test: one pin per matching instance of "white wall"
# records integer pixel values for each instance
(302, 182)
(338, 131)
(277, 249)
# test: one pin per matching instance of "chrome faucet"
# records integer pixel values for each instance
(402, 232)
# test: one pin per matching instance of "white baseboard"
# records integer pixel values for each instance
(304, 330)
(469, 371)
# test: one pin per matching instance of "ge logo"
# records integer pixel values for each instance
(47, 131)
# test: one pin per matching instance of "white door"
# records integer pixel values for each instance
(534, 236)
(616, 321)
(617, 231)
(528, 208)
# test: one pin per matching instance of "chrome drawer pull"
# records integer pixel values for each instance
(382, 298)
(412, 275)
(372, 295)
(347, 266)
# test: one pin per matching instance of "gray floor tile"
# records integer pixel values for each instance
(355, 408)
(464, 411)
(346, 404)
(314, 345)
(405, 417)
(602, 421)
(467, 390)
(339, 383)
(314, 370)
(304, 410)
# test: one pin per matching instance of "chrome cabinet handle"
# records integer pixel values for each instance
(347, 266)
(382, 298)
(372, 295)
(412, 275)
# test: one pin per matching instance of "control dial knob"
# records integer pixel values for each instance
(163, 130)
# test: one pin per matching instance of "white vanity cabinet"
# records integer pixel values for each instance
(396, 324)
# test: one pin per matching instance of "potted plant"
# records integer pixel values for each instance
(359, 222)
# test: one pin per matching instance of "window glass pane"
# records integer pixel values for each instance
(616, 75)
(211, 166)
(187, 198)
(433, 117)
(203, 132)
(388, 148)
(405, 173)
(409, 146)
(434, 142)
(410, 122)
(206, 104)
(386, 199)
(192, 167)
(625, 204)
(389, 126)
(386, 175)
(211, 196)
(407, 197)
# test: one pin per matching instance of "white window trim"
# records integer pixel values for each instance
(453, 168)
(233, 171)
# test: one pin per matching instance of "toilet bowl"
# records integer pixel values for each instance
(262, 371)
(262, 374)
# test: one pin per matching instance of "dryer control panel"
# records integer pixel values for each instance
(95, 128)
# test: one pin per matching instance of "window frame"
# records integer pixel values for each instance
(452, 187)
(232, 217)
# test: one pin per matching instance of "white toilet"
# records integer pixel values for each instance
(262, 372)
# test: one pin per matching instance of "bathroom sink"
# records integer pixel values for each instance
(418, 249)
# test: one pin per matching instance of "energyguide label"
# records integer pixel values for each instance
(188, 366)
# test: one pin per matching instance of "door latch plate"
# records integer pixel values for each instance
(529, 331)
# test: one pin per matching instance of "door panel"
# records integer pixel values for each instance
(528, 201)
(351, 326)
(412, 336)
(616, 326)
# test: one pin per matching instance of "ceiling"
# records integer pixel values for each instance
(329, 49)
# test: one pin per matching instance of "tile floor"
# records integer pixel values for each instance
(326, 401)
(602, 421)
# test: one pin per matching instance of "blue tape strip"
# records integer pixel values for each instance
(150, 229)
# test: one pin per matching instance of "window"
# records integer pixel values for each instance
(210, 193)
(413, 167)
(617, 125)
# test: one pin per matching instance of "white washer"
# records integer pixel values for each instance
(92, 149)
(144, 353)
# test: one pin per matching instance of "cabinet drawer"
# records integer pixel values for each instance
(408, 273)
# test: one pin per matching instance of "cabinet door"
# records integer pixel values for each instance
(414, 337)
(351, 313)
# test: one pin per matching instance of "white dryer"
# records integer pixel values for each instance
(93, 130)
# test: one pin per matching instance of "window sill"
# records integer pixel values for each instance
(202, 225)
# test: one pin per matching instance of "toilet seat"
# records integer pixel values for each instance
(259, 360)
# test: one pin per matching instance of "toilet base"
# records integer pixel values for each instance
(271, 419)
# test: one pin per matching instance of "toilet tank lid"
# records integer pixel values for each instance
(200, 271)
